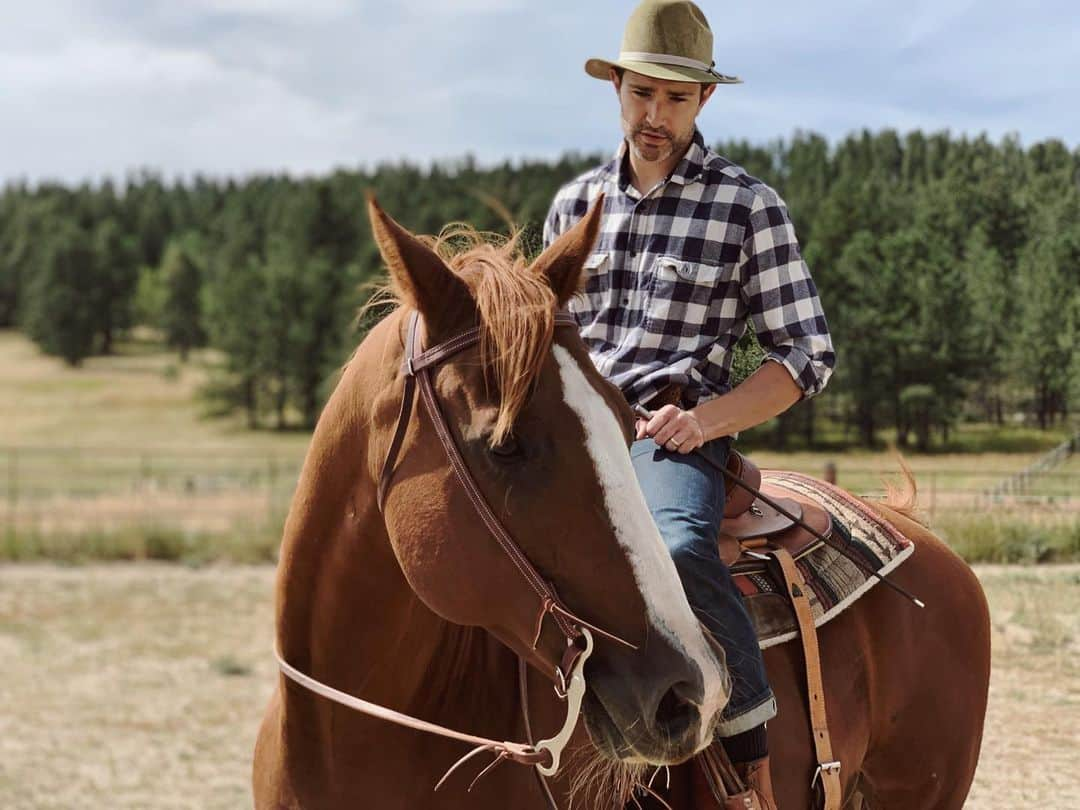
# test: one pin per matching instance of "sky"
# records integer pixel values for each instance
(96, 88)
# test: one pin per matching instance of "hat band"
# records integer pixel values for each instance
(664, 59)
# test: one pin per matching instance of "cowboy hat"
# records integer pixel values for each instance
(665, 39)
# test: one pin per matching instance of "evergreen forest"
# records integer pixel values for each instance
(948, 267)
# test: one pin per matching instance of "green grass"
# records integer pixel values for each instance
(994, 538)
(142, 542)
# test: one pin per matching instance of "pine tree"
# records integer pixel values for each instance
(61, 314)
(182, 307)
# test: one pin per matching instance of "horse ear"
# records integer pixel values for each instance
(564, 259)
(420, 276)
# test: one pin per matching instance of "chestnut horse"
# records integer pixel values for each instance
(415, 606)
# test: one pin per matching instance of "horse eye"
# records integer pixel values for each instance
(508, 448)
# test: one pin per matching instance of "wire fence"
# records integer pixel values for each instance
(75, 491)
(79, 490)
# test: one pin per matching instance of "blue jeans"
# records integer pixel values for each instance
(686, 498)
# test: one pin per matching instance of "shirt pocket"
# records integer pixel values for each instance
(681, 290)
(595, 290)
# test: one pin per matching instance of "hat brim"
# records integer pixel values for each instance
(598, 69)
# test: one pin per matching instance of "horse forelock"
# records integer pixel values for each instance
(517, 322)
(516, 309)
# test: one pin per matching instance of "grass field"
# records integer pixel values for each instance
(143, 397)
(140, 398)
(135, 686)
(113, 461)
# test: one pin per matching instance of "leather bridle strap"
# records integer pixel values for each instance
(526, 754)
(417, 370)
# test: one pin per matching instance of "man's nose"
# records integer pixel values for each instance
(653, 114)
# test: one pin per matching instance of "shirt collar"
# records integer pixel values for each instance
(687, 170)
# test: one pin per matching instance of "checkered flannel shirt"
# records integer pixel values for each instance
(676, 274)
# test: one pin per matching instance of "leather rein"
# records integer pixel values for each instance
(569, 672)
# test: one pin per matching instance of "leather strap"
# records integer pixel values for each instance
(417, 370)
(828, 769)
(523, 693)
(403, 418)
(738, 499)
(413, 363)
(727, 789)
(523, 753)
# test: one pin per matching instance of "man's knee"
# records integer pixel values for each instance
(691, 549)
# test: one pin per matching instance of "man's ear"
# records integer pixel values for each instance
(615, 80)
(420, 277)
(706, 93)
(564, 259)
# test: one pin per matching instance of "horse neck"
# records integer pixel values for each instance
(346, 613)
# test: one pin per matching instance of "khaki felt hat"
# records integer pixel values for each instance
(666, 39)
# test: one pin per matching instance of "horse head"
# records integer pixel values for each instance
(545, 438)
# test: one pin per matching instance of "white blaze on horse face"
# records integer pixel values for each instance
(653, 567)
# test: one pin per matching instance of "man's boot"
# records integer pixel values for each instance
(755, 775)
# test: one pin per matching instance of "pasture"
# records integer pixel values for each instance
(116, 461)
(134, 686)
(138, 685)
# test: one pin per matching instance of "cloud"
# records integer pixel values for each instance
(239, 86)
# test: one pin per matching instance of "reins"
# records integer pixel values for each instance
(569, 672)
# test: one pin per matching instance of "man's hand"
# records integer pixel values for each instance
(672, 428)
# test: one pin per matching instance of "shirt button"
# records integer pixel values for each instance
(626, 302)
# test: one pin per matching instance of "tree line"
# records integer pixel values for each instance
(949, 269)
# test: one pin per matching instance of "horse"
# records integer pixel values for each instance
(390, 588)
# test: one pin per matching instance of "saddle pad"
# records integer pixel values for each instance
(834, 581)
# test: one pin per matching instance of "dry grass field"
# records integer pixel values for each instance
(140, 397)
(141, 686)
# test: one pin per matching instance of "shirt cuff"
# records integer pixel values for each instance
(800, 366)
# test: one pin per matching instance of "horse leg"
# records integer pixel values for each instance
(930, 677)
(268, 774)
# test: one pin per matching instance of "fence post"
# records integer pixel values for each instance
(12, 487)
(271, 489)
(830, 472)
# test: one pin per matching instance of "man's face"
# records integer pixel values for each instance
(657, 115)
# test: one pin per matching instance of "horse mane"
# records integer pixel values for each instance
(516, 309)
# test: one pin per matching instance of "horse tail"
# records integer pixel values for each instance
(904, 498)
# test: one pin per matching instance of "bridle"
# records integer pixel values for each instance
(569, 672)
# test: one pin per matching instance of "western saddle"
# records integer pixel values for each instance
(750, 523)
(752, 531)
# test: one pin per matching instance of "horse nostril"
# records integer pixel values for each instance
(675, 716)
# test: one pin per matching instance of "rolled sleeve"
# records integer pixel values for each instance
(781, 298)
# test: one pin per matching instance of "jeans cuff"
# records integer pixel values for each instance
(749, 718)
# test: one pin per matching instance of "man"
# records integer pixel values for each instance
(691, 249)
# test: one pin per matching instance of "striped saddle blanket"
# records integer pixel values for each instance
(833, 580)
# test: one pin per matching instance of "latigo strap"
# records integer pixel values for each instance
(828, 769)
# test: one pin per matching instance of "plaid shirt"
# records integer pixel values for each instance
(677, 272)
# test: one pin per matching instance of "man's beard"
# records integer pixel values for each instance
(654, 151)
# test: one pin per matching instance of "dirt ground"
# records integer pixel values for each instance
(139, 686)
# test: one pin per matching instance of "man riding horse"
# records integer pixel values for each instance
(691, 249)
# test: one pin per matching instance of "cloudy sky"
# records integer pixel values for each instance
(90, 88)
